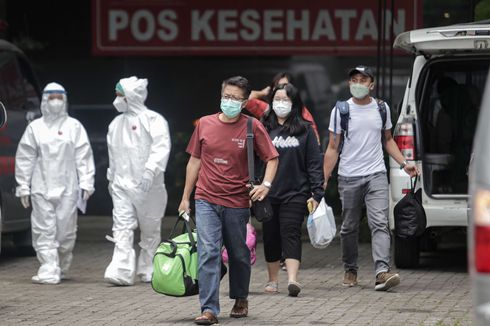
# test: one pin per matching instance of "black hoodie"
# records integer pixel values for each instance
(300, 171)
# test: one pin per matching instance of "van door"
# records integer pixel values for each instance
(448, 108)
(19, 93)
(404, 134)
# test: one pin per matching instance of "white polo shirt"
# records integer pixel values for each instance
(362, 153)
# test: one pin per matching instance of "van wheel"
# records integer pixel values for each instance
(407, 252)
(23, 243)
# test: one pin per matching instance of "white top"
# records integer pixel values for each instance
(362, 153)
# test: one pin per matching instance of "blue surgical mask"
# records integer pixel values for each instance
(359, 91)
(231, 108)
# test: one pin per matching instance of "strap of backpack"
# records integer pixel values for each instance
(343, 108)
(383, 114)
(250, 151)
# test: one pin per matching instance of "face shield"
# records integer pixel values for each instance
(54, 99)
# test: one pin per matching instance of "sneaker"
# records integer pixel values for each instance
(350, 278)
(386, 280)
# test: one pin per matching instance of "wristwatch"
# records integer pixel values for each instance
(267, 184)
(403, 165)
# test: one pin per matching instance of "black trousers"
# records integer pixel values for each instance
(282, 234)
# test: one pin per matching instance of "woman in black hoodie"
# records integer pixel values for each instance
(298, 183)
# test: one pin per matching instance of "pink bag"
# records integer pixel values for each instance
(251, 244)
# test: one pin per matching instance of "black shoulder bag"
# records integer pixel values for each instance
(409, 214)
(262, 210)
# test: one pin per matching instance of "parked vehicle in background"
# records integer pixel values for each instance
(19, 92)
(479, 216)
(436, 125)
(96, 119)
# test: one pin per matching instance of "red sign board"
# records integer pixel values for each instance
(267, 27)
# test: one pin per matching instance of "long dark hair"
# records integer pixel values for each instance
(275, 82)
(294, 124)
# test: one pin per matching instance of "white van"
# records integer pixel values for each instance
(436, 126)
(479, 218)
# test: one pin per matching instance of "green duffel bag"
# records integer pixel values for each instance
(175, 264)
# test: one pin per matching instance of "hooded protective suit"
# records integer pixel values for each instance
(53, 163)
(139, 146)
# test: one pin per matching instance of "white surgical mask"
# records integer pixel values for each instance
(120, 104)
(55, 106)
(282, 108)
(359, 91)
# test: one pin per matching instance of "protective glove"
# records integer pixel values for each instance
(85, 195)
(110, 188)
(24, 200)
(146, 181)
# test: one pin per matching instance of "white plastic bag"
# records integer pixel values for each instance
(321, 226)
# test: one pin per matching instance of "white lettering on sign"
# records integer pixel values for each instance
(201, 24)
(291, 25)
(118, 20)
(143, 25)
(323, 27)
(367, 26)
(250, 20)
(227, 24)
(167, 20)
(345, 16)
(398, 23)
(302, 24)
(252, 25)
(271, 24)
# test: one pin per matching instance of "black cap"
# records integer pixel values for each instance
(363, 70)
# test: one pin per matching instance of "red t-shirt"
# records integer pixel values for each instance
(222, 149)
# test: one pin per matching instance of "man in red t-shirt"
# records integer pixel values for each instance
(219, 171)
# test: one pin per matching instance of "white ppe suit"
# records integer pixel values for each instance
(53, 163)
(139, 146)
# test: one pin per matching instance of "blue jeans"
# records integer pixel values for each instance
(216, 225)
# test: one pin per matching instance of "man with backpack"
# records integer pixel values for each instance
(359, 128)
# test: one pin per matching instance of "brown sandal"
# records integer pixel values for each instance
(206, 318)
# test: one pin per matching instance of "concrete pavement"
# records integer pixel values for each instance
(436, 294)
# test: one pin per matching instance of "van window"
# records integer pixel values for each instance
(448, 115)
(17, 90)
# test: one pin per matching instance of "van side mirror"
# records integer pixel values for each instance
(3, 115)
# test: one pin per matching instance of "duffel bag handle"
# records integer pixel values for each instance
(173, 245)
(184, 217)
(413, 184)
